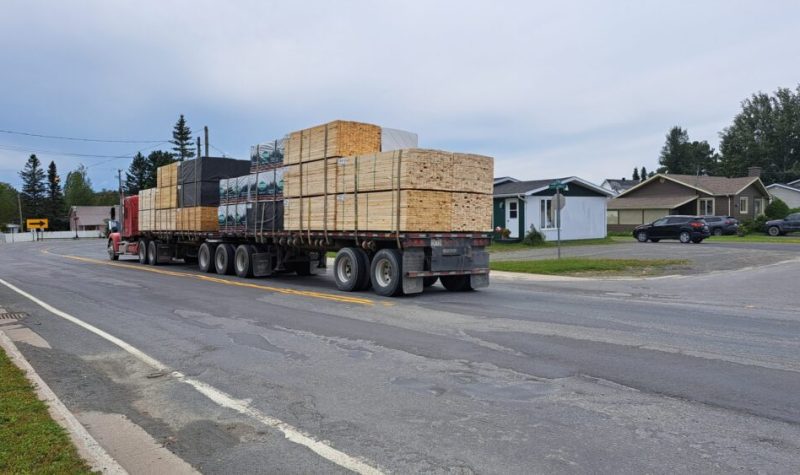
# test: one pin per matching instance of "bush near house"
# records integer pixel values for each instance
(753, 225)
(777, 209)
(533, 238)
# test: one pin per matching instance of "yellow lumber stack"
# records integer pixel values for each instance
(147, 209)
(197, 218)
(335, 139)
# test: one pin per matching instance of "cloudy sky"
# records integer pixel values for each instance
(548, 88)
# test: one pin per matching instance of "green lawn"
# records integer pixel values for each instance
(758, 237)
(30, 441)
(518, 246)
(581, 265)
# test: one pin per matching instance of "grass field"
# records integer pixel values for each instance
(518, 246)
(579, 265)
(30, 441)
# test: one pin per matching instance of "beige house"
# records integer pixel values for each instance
(91, 218)
(664, 194)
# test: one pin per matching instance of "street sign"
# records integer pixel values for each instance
(556, 185)
(559, 201)
(36, 223)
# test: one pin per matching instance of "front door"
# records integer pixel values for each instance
(512, 217)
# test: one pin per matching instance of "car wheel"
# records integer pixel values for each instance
(641, 236)
(718, 232)
(685, 237)
(774, 231)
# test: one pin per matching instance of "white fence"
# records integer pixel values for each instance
(7, 238)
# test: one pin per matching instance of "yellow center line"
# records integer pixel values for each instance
(218, 280)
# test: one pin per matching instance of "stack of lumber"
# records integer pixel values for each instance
(197, 218)
(335, 139)
(411, 190)
(167, 186)
(147, 209)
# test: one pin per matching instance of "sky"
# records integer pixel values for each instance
(550, 89)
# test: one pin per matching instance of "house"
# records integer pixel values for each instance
(618, 186)
(788, 193)
(91, 218)
(663, 194)
(518, 205)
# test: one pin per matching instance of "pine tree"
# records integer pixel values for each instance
(156, 159)
(8, 205)
(139, 175)
(644, 174)
(635, 175)
(182, 140)
(33, 188)
(55, 199)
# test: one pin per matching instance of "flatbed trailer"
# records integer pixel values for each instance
(391, 263)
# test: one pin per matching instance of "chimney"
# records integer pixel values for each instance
(754, 171)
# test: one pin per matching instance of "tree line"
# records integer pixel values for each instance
(42, 194)
(765, 134)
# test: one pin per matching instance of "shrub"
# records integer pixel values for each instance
(533, 237)
(777, 209)
(752, 225)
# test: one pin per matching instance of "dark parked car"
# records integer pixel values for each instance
(778, 227)
(683, 228)
(719, 225)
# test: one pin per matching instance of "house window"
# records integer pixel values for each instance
(707, 206)
(512, 210)
(744, 207)
(612, 216)
(547, 214)
(758, 206)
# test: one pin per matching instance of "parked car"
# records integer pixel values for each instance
(683, 228)
(779, 227)
(719, 225)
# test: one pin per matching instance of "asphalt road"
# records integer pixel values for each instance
(696, 373)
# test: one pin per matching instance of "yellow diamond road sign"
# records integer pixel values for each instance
(36, 223)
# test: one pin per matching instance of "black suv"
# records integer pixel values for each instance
(778, 227)
(683, 228)
(719, 225)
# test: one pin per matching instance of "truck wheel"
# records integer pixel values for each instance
(428, 281)
(386, 272)
(243, 261)
(142, 251)
(351, 269)
(774, 231)
(112, 254)
(224, 258)
(456, 283)
(152, 253)
(205, 257)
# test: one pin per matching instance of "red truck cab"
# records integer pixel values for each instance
(127, 236)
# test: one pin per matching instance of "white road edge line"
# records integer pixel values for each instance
(88, 448)
(220, 397)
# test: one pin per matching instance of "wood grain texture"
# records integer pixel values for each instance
(344, 138)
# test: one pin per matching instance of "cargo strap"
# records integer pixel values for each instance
(397, 228)
(355, 196)
(325, 181)
(300, 164)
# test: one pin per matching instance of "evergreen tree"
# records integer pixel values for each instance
(182, 140)
(78, 188)
(156, 159)
(139, 175)
(106, 198)
(635, 175)
(680, 156)
(644, 174)
(55, 199)
(33, 188)
(8, 205)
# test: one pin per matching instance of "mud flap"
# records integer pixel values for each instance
(478, 281)
(164, 253)
(413, 261)
(262, 264)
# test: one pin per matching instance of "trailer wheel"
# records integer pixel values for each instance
(243, 260)
(386, 273)
(205, 257)
(456, 283)
(351, 269)
(152, 253)
(142, 251)
(428, 281)
(224, 258)
(112, 254)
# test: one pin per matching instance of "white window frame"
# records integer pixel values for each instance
(702, 209)
(746, 208)
(544, 222)
(513, 207)
(756, 211)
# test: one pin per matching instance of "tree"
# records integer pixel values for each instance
(55, 200)
(182, 140)
(9, 212)
(157, 159)
(681, 156)
(139, 175)
(106, 198)
(33, 188)
(635, 175)
(777, 209)
(78, 188)
(766, 133)
(644, 173)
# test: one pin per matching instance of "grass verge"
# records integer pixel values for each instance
(32, 442)
(518, 246)
(580, 265)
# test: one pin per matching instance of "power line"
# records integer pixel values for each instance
(78, 139)
(53, 152)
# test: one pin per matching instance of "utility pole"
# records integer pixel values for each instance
(198, 147)
(19, 206)
(205, 128)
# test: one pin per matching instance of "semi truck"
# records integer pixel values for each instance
(391, 263)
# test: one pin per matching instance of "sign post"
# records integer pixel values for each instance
(558, 201)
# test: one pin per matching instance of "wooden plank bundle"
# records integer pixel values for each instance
(165, 220)
(197, 218)
(147, 209)
(417, 169)
(167, 175)
(167, 197)
(335, 139)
